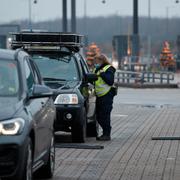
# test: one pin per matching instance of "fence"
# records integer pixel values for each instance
(130, 77)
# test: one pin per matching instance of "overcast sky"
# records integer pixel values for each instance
(51, 9)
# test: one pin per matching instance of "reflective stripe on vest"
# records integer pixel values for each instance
(102, 88)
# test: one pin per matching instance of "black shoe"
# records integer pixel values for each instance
(103, 138)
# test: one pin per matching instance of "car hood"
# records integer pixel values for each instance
(8, 107)
(63, 86)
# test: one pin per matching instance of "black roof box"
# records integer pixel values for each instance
(53, 39)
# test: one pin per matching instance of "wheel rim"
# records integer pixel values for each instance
(52, 156)
(29, 164)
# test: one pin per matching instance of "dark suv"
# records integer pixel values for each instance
(27, 116)
(65, 71)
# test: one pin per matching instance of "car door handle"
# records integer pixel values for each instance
(43, 104)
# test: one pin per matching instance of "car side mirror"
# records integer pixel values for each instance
(91, 77)
(40, 91)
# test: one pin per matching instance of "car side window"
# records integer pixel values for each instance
(29, 75)
(83, 65)
(83, 70)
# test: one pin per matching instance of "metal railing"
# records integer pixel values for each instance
(143, 77)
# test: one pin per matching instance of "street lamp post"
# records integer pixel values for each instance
(30, 13)
(149, 33)
(167, 20)
(30, 19)
(149, 10)
(135, 18)
(85, 17)
(64, 19)
(135, 30)
(73, 16)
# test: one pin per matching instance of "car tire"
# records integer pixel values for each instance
(93, 128)
(79, 129)
(47, 170)
(25, 172)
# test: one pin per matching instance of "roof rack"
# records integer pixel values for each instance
(34, 41)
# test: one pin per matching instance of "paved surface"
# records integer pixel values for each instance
(148, 96)
(131, 155)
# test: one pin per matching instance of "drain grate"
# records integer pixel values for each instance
(151, 106)
(166, 138)
(78, 146)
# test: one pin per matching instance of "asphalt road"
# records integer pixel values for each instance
(148, 96)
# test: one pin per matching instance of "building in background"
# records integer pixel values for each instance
(126, 49)
(3, 41)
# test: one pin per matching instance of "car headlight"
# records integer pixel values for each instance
(12, 127)
(66, 99)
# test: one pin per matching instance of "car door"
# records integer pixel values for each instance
(36, 108)
(46, 123)
(90, 91)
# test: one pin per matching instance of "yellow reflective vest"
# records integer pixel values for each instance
(101, 87)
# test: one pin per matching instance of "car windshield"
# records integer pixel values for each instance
(9, 81)
(57, 69)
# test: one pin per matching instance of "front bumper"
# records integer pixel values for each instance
(12, 152)
(62, 123)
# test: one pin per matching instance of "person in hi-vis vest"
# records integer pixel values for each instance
(105, 94)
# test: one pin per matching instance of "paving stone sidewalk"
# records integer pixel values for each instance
(131, 155)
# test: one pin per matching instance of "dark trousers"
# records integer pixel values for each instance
(103, 112)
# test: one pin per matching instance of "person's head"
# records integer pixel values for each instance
(101, 59)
